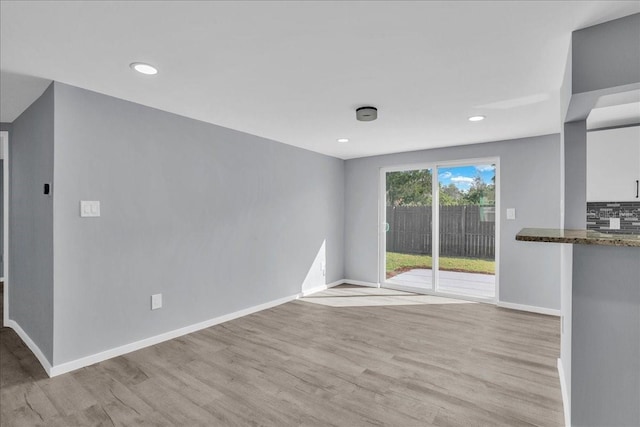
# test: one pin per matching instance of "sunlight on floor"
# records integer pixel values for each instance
(363, 297)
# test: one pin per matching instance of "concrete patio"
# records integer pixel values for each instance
(451, 282)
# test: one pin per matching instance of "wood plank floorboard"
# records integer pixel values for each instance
(307, 364)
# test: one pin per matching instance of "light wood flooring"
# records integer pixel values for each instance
(304, 364)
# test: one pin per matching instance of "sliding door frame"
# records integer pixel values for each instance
(435, 231)
(4, 141)
(382, 216)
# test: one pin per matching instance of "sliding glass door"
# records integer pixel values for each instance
(408, 210)
(459, 201)
(467, 230)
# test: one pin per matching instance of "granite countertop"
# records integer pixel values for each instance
(581, 237)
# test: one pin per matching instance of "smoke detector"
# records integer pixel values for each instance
(366, 114)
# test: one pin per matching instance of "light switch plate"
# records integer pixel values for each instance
(156, 301)
(614, 223)
(89, 208)
(511, 213)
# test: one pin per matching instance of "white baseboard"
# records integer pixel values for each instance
(321, 288)
(29, 343)
(566, 404)
(128, 348)
(361, 283)
(334, 284)
(55, 370)
(530, 308)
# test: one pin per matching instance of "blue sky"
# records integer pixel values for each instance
(462, 176)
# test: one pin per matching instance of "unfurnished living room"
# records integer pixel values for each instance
(320, 213)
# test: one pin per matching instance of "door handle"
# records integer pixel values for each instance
(637, 188)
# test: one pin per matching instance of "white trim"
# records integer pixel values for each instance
(435, 229)
(334, 284)
(382, 214)
(56, 370)
(321, 288)
(498, 227)
(565, 397)
(128, 348)
(529, 308)
(382, 224)
(29, 342)
(361, 283)
(4, 140)
(63, 368)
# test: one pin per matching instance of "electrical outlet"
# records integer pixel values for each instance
(89, 208)
(156, 301)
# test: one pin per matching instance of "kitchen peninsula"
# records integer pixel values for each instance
(603, 326)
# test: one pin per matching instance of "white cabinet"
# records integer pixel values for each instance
(613, 165)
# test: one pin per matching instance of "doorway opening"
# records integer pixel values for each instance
(440, 228)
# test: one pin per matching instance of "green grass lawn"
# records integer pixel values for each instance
(398, 263)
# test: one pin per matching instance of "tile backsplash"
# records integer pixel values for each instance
(598, 214)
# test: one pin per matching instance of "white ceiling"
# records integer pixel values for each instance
(295, 71)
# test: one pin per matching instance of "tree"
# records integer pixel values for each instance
(413, 188)
(450, 195)
(409, 188)
(480, 193)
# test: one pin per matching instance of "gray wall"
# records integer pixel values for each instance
(31, 222)
(606, 336)
(7, 128)
(575, 169)
(214, 219)
(530, 177)
(606, 55)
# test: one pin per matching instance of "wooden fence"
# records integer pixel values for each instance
(467, 231)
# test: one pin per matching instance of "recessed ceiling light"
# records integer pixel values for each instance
(143, 68)
(476, 118)
(343, 139)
